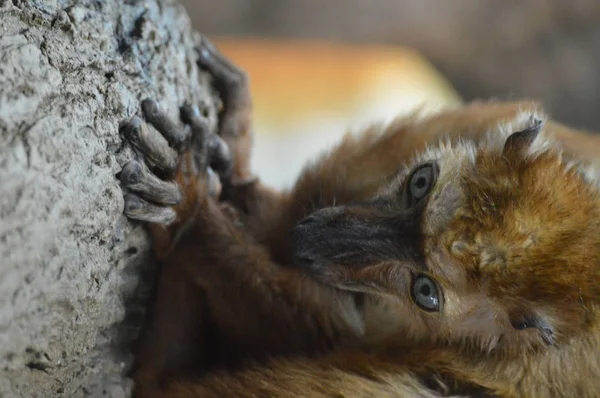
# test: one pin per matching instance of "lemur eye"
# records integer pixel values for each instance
(421, 181)
(425, 293)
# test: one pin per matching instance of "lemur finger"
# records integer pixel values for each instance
(209, 149)
(176, 137)
(225, 73)
(190, 114)
(151, 144)
(214, 183)
(220, 157)
(235, 119)
(230, 81)
(139, 209)
(139, 179)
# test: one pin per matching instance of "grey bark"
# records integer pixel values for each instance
(74, 273)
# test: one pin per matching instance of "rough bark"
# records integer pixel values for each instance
(74, 272)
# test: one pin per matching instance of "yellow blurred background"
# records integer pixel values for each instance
(308, 94)
(320, 69)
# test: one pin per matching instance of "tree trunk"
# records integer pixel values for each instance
(75, 274)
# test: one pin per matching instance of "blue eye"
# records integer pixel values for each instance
(425, 293)
(421, 181)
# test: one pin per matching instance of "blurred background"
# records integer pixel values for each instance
(318, 68)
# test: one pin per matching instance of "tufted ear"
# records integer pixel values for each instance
(521, 140)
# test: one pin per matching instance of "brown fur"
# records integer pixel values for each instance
(509, 234)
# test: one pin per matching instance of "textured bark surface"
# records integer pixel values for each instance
(74, 273)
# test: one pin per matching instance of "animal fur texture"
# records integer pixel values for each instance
(451, 255)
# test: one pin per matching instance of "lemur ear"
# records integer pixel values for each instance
(521, 140)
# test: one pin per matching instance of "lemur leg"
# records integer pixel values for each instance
(190, 164)
(211, 269)
(220, 299)
(176, 340)
(248, 197)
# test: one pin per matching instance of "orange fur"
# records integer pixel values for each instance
(509, 235)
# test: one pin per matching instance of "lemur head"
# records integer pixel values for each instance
(495, 245)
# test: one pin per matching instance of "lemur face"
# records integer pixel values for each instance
(496, 244)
